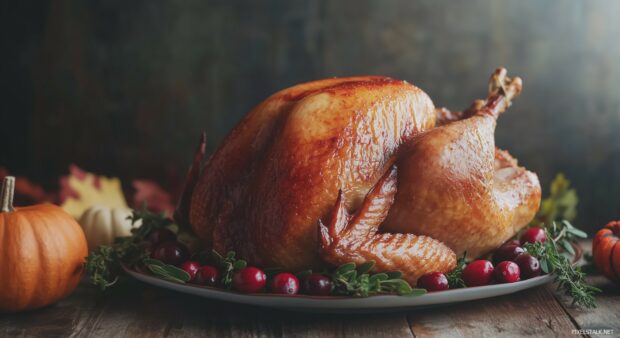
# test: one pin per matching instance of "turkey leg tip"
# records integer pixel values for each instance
(501, 84)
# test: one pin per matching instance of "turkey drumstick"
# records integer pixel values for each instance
(501, 92)
(456, 187)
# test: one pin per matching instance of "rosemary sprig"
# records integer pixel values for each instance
(555, 255)
(455, 279)
(569, 278)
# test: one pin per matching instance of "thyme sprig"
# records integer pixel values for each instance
(455, 277)
(555, 255)
(569, 277)
(104, 264)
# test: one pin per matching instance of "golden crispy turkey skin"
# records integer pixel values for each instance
(455, 186)
(280, 169)
(309, 176)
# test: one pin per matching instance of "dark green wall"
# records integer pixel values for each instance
(125, 87)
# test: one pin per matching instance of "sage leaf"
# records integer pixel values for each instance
(346, 268)
(568, 247)
(169, 272)
(151, 261)
(379, 277)
(394, 274)
(366, 267)
(544, 266)
(403, 287)
(240, 264)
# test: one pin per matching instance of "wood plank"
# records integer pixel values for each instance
(606, 316)
(224, 320)
(534, 312)
(133, 311)
(57, 320)
(607, 313)
(198, 317)
(138, 310)
(360, 325)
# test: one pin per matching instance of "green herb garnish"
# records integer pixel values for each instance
(455, 277)
(349, 280)
(570, 278)
(150, 221)
(104, 264)
(555, 255)
(228, 265)
(166, 271)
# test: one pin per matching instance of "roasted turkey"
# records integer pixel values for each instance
(361, 168)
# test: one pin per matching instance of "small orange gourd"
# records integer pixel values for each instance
(606, 250)
(42, 250)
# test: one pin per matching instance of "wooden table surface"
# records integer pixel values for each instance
(140, 310)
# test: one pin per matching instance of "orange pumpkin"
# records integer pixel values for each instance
(42, 250)
(606, 250)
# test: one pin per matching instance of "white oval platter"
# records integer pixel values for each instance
(346, 304)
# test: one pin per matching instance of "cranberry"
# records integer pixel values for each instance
(207, 275)
(317, 285)
(513, 242)
(249, 280)
(534, 234)
(529, 266)
(507, 253)
(478, 273)
(507, 272)
(434, 281)
(161, 235)
(191, 268)
(285, 283)
(171, 252)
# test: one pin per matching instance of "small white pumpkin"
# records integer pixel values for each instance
(101, 224)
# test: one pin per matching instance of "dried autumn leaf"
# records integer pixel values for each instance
(26, 192)
(156, 198)
(80, 190)
(561, 204)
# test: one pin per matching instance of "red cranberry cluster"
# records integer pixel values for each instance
(253, 280)
(250, 279)
(510, 264)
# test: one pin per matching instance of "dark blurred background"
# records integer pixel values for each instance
(124, 88)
